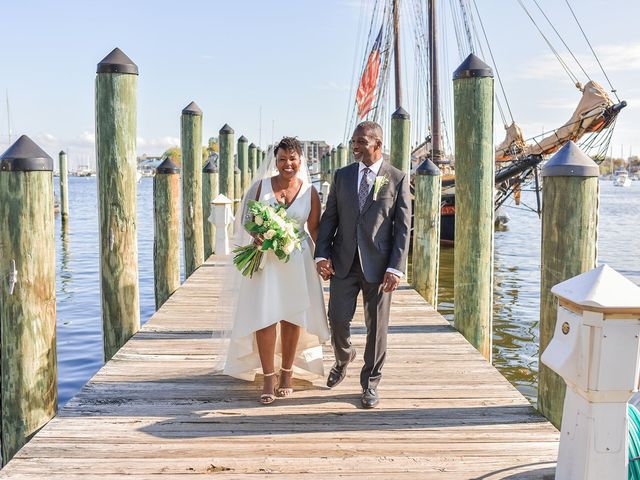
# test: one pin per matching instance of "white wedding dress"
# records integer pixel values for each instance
(290, 291)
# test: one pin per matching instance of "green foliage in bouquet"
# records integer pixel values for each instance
(279, 233)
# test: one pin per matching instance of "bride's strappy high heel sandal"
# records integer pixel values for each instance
(284, 391)
(267, 398)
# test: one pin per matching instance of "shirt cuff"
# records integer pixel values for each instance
(319, 259)
(397, 273)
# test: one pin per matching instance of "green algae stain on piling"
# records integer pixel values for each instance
(253, 162)
(226, 164)
(209, 192)
(473, 264)
(426, 231)
(166, 238)
(64, 187)
(191, 141)
(400, 150)
(243, 164)
(569, 240)
(29, 390)
(116, 116)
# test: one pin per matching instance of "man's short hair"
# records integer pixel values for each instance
(372, 129)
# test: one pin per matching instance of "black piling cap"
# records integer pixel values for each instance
(226, 129)
(570, 161)
(25, 156)
(62, 152)
(252, 145)
(243, 139)
(212, 164)
(192, 109)
(473, 67)
(428, 168)
(340, 146)
(400, 113)
(237, 170)
(167, 167)
(117, 62)
(333, 150)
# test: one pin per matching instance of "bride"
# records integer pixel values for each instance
(279, 321)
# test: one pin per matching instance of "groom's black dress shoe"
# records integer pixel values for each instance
(338, 372)
(370, 398)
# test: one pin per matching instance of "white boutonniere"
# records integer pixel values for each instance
(378, 184)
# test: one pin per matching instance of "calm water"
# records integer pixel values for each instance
(517, 277)
(517, 262)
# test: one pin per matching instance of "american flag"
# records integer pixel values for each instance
(366, 94)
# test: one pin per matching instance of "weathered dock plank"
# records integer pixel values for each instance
(156, 409)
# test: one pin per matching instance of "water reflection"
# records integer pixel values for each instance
(516, 287)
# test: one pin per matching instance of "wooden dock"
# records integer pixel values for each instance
(156, 410)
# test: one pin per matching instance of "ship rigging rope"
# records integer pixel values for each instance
(493, 60)
(566, 68)
(561, 39)
(482, 54)
(613, 90)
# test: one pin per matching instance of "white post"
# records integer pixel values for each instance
(324, 192)
(222, 218)
(595, 349)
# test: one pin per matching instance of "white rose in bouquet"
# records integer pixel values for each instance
(258, 220)
(288, 248)
(269, 234)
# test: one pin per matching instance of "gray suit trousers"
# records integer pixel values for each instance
(342, 306)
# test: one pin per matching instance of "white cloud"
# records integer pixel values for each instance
(614, 58)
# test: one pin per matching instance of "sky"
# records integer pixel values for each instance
(274, 68)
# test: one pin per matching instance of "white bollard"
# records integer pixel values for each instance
(324, 192)
(595, 349)
(222, 217)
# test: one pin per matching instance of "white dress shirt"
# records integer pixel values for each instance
(375, 168)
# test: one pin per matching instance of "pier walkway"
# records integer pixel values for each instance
(156, 410)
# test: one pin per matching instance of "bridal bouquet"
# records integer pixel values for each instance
(279, 234)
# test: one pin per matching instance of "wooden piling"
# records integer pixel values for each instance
(473, 264)
(253, 162)
(191, 141)
(426, 231)
(28, 388)
(64, 187)
(569, 236)
(116, 92)
(341, 156)
(166, 239)
(243, 163)
(210, 183)
(332, 163)
(237, 186)
(400, 150)
(225, 161)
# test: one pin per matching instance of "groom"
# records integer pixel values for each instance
(362, 246)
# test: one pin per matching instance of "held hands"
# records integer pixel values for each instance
(390, 282)
(325, 269)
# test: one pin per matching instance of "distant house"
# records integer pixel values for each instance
(314, 149)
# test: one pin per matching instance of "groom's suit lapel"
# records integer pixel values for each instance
(383, 170)
(352, 181)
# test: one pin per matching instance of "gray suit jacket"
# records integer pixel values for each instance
(381, 230)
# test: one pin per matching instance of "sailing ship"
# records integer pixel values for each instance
(518, 159)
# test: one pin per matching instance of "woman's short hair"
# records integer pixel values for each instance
(288, 144)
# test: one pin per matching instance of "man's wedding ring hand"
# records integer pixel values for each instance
(325, 269)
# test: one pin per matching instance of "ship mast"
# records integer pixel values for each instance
(396, 51)
(437, 155)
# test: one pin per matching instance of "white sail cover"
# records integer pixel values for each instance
(587, 117)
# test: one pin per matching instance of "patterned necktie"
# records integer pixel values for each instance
(363, 191)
